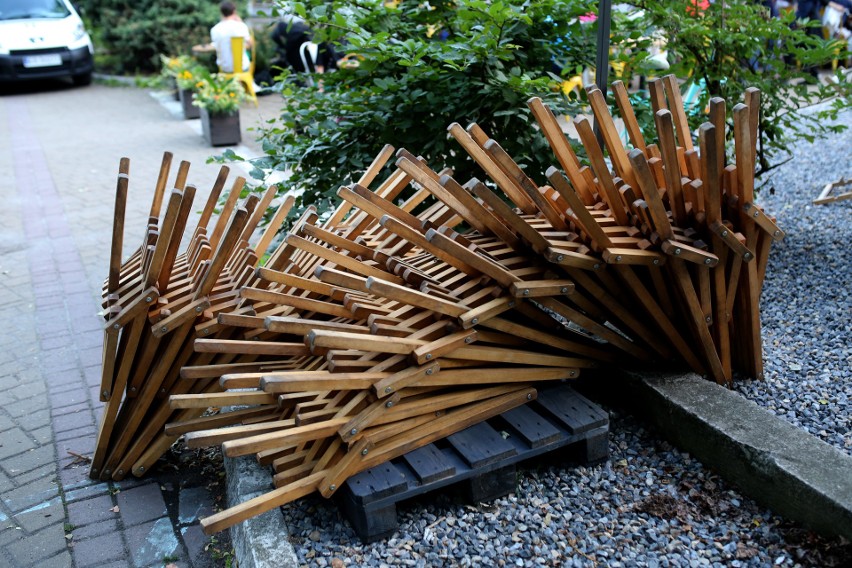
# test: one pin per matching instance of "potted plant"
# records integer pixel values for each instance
(171, 67)
(219, 99)
(188, 81)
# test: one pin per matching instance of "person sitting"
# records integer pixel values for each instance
(231, 25)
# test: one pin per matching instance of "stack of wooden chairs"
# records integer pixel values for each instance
(158, 302)
(425, 305)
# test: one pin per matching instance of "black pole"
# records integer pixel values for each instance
(602, 56)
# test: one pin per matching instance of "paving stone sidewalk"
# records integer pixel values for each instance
(59, 151)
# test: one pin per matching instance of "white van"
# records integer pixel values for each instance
(41, 39)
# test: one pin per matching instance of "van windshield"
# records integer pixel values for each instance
(29, 9)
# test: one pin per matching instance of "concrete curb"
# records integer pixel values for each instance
(261, 541)
(777, 464)
(119, 79)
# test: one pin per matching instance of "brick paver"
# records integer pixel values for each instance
(98, 550)
(141, 504)
(59, 151)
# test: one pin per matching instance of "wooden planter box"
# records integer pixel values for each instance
(221, 129)
(189, 111)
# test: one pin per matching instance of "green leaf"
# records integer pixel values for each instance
(231, 156)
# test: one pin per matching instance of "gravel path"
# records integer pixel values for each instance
(652, 505)
(806, 305)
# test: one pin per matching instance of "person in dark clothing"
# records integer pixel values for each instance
(772, 6)
(809, 10)
(289, 35)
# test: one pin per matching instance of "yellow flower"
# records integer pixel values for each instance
(233, 95)
(199, 84)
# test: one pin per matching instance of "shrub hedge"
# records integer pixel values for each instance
(130, 36)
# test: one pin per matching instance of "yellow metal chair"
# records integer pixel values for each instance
(245, 77)
(575, 83)
(833, 16)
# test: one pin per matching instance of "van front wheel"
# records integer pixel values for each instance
(82, 79)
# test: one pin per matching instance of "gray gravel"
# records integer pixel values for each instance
(806, 307)
(652, 505)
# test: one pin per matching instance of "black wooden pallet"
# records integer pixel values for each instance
(483, 456)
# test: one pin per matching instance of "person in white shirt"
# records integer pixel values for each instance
(230, 26)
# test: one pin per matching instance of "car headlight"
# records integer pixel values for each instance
(79, 31)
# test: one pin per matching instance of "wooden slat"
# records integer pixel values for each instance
(619, 91)
(672, 88)
(612, 140)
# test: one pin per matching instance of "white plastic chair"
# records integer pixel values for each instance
(308, 52)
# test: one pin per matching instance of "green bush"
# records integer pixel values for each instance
(131, 36)
(421, 68)
(734, 45)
